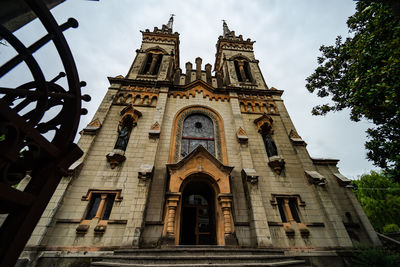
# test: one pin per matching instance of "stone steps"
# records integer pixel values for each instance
(200, 257)
(198, 251)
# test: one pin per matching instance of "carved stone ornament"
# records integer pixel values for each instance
(295, 138)
(287, 226)
(130, 116)
(116, 157)
(316, 178)
(82, 229)
(264, 124)
(155, 130)
(100, 227)
(146, 172)
(250, 175)
(304, 232)
(92, 127)
(242, 135)
(276, 163)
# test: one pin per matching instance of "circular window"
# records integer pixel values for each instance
(198, 125)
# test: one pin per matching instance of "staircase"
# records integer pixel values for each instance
(197, 257)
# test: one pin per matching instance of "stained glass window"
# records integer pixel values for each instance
(198, 130)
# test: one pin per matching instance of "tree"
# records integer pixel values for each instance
(362, 73)
(380, 198)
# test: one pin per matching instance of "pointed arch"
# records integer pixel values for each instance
(177, 130)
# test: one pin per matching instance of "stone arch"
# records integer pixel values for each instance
(200, 166)
(156, 49)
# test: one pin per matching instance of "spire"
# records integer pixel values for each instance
(170, 22)
(226, 30)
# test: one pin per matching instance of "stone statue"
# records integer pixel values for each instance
(123, 137)
(270, 146)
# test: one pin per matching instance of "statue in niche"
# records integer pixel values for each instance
(270, 145)
(123, 137)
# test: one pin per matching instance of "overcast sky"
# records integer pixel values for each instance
(288, 34)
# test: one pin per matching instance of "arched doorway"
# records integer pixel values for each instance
(198, 220)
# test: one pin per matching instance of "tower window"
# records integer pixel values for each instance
(288, 209)
(100, 206)
(198, 130)
(152, 64)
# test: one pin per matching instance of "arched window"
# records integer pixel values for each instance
(152, 63)
(198, 129)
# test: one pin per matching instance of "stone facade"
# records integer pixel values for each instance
(264, 189)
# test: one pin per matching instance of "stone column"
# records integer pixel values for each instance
(101, 206)
(208, 73)
(241, 70)
(188, 72)
(154, 58)
(258, 216)
(225, 201)
(172, 205)
(198, 68)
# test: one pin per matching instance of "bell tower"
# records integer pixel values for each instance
(235, 62)
(158, 55)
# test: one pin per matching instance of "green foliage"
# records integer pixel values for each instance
(380, 198)
(390, 228)
(362, 73)
(374, 256)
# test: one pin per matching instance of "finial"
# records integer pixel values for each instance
(226, 30)
(171, 21)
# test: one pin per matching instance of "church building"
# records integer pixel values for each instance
(205, 157)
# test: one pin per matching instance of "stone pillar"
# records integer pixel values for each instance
(154, 58)
(188, 72)
(258, 215)
(198, 68)
(101, 206)
(225, 202)
(177, 76)
(287, 210)
(172, 205)
(208, 74)
(241, 70)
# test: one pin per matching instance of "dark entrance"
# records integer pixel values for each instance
(198, 215)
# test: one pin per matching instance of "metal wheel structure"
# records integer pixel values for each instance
(24, 126)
